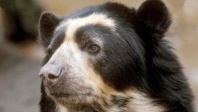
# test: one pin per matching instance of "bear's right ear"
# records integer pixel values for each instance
(154, 16)
(47, 24)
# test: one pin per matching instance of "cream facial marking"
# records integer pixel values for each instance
(61, 108)
(142, 103)
(69, 53)
(93, 19)
(137, 102)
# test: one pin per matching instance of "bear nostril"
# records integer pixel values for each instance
(41, 76)
(51, 72)
(51, 76)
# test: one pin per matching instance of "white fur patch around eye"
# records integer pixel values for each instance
(93, 19)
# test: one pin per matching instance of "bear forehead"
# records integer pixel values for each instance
(73, 24)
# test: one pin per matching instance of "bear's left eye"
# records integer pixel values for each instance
(93, 48)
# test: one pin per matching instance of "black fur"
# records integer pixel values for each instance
(47, 25)
(136, 56)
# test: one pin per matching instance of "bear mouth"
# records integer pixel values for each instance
(72, 98)
(70, 94)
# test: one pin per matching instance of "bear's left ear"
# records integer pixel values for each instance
(153, 15)
(47, 24)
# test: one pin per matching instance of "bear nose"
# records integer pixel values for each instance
(50, 72)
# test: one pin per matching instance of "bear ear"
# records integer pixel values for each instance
(153, 15)
(47, 24)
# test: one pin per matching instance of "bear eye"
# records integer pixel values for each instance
(93, 48)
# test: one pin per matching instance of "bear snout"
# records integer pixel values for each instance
(51, 73)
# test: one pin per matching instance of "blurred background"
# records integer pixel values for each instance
(21, 55)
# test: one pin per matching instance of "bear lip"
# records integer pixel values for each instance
(71, 94)
(67, 95)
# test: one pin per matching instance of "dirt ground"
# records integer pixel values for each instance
(20, 64)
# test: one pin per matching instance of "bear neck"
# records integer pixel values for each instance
(108, 104)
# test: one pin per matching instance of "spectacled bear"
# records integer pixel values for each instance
(111, 58)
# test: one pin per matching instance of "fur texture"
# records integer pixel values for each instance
(111, 58)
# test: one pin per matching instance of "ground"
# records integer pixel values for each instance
(19, 80)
